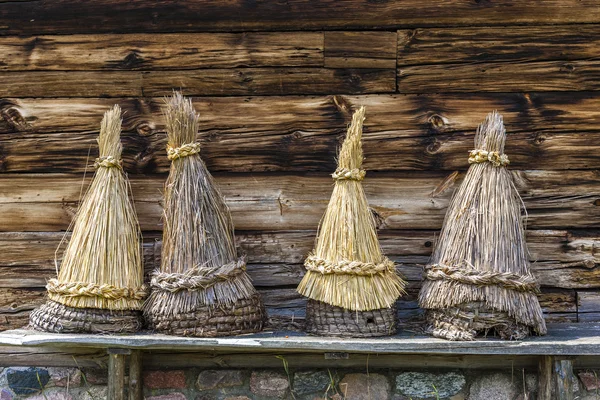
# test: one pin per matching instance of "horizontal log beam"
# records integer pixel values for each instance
(70, 16)
(554, 199)
(303, 133)
(481, 45)
(200, 82)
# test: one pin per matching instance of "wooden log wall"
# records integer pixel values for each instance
(275, 84)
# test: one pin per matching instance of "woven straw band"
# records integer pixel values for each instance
(194, 279)
(110, 292)
(507, 280)
(355, 174)
(173, 153)
(108, 162)
(480, 156)
(317, 264)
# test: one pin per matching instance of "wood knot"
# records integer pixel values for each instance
(568, 68)
(13, 117)
(145, 128)
(433, 147)
(437, 122)
(342, 104)
(597, 202)
(428, 243)
(539, 139)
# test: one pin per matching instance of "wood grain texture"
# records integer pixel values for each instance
(302, 133)
(554, 199)
(200, 82)
(500, 77)
(164, 51)
(360, 49)
(480, 45)
(70, 16)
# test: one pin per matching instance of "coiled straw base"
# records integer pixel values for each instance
(466, 321)
(326, 320)
(245, 316)
(57, 318)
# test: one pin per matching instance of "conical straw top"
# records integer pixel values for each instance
(347, 268)
(481, 253)
(102, 264)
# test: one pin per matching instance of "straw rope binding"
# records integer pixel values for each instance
(358, 268)
(76, 289)
(185, 150)
(507, 280)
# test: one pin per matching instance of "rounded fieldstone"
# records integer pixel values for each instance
(216, 379)
(311, 382)
(428, 385)
(269, 384)
(26, 380)
(365, 387)
(493, 386)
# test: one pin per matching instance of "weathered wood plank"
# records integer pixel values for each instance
(288, 202)
(495, 76)
(588, 301)
(492, 44)
(156, 51)
(303, 133)
(201, 82)
(270, 81)
(564, 339)
(11, 356)
(71, 83)
(70, 16)
(360, 49)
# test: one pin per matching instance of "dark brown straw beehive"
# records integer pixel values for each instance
(99, 287)
(479, 278)
(202, 287)
(352, 287)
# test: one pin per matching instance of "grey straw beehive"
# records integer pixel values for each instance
(202, 287)
(479, 277)
(348, 277)
(99, 287)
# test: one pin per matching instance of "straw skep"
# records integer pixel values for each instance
(200, 274)
(101, 270)
(479, 277)
(347, 268)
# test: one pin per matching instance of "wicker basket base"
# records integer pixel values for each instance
(246, 316)
(466, 321)
(58, 318)
(326, 320)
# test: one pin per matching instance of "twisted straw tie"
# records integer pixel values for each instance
(507, 280)
(346, 267)
(496, 159)
(355, 174)
(185, 150)
(81, 289)
(108, 162)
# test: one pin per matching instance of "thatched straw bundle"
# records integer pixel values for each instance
(479, 277)
(347, 268)
(200, 271)
(102, 265)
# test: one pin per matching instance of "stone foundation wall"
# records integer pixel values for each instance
(337, 384)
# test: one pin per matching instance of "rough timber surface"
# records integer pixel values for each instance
(562, 339)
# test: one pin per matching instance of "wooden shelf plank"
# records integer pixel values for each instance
(563, 339)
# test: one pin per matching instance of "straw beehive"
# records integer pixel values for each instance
(347, 268)
(202, 287)
(101, 270)
(479, 277)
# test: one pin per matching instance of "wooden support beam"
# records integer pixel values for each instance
(116, 373)
(563, 378)
(136, 386)
(545, 378)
